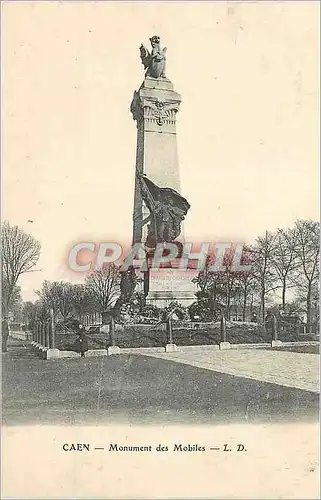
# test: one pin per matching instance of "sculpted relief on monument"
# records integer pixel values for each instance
(154, 110)
(167, 211)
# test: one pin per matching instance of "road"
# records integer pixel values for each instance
(299, 370)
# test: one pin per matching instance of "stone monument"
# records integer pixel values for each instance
(159, 207)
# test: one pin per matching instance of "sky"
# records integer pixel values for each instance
(247, 129)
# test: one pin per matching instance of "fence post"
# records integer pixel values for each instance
(170, 346)
(38, 332)
(112, 332)
(169, 331)
(275, 341)
(223, 329)
(47, 334)
(43, 333)
(223, 343)
(52, 352)
(274, 328)
(113, 349)
(52, 339)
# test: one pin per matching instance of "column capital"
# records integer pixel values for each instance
(155, 106)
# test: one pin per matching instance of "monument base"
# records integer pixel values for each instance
(170, 285)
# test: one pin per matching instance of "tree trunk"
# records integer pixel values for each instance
(309, 326)
(283, 293)
(5, 334)
(223, 328)
(263, 306)
(213, 298)
(244, 304)
(251, 305)
(112, 331)
(6, 305)
(228, 305)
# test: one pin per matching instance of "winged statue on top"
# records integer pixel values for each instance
(154, 62)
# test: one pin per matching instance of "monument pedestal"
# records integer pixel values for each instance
(169, 285)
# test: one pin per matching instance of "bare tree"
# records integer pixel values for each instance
(57, 295)
(244, 290)
(262, 268)
(49, 296)
(229, 279)
(211, 284)
(219, 286)
(307, 249)
(83, 301)
(41, 311)
(29, 311)
(20, 253)
(104, 284)
(65, 301)
(283, 259)
(11, 305)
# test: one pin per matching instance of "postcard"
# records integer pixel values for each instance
(160, 250)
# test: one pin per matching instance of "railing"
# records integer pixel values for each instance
(44, 332)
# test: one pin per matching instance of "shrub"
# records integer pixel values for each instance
(177, 312)
(202, 311)
(150, 311)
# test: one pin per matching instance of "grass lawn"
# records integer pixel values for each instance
(308, 349)
(134, 389)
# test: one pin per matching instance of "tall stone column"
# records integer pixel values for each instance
(154, 108)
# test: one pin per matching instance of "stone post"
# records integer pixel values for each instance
(47, 333)
(223, 329)
(169, 331)
(275, 341)
(52, 352)
(42, 333)
(170, 346)
(113, 349)
(112, 332)
(52, 340)
(223, 343)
